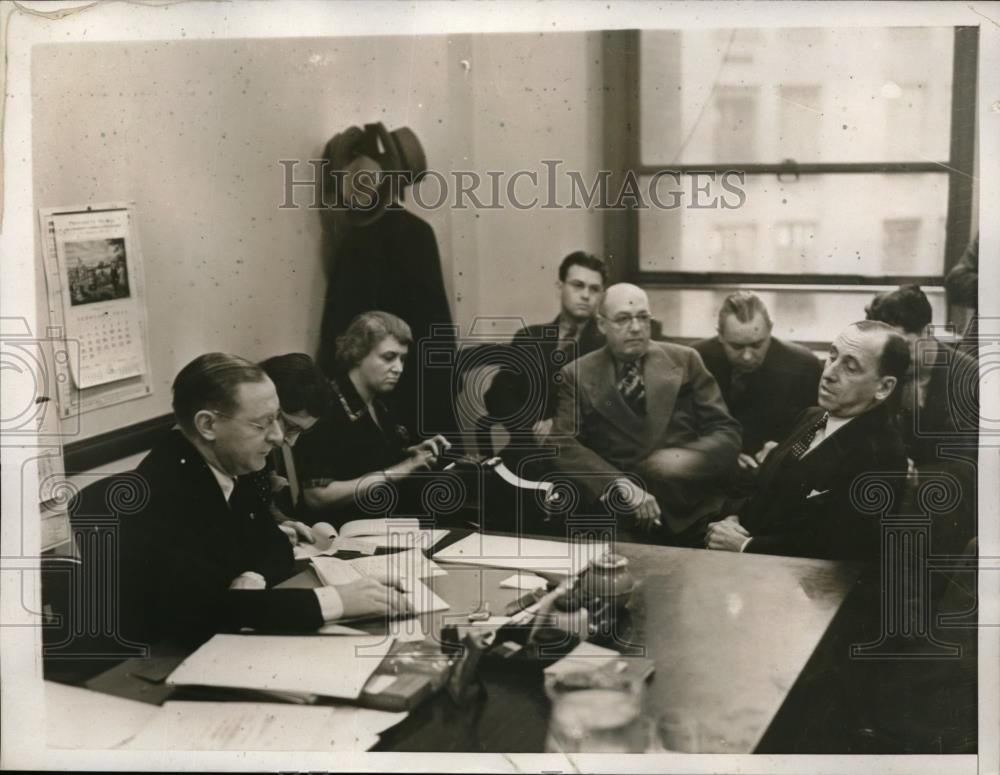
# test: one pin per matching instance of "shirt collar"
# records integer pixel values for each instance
(226, 482)
(833, 424)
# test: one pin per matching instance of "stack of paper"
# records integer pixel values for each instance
(80, 718)
(367, 535)
(246, 726)
(308, 665)
(334, 572)
(530, 554)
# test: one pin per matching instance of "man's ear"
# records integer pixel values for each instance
(886, 387)
(601, 324)
(205, 424)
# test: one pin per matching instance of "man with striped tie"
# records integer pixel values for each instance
(808, 496)
(641, 426)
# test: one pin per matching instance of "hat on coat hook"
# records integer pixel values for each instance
(369, 152)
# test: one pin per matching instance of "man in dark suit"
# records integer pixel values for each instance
(765, 381)
(807, 501)
(523, 395)
(642, 426)
(204, 548)
(938, 411)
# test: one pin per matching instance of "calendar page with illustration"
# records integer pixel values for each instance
(96, 300)
(100, 306)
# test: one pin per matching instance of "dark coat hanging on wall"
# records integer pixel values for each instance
(393, 265)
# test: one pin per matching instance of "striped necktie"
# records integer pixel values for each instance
(632, 388)
(801, 446)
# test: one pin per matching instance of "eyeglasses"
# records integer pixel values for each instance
(263, 427)
(625, 320)
(289, 429)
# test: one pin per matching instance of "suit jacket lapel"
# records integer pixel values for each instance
(602, 385)
(837, 447)
(662, 381)
(590, 338)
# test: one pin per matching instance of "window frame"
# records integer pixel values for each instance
(959, 169)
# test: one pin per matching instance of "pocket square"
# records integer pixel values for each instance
(816, 494)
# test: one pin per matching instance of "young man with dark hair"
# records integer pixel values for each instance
(516, 398)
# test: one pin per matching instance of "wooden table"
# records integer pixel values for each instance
(729, 634)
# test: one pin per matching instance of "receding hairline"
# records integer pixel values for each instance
(618, 289)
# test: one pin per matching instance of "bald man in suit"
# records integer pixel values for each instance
(642, 426)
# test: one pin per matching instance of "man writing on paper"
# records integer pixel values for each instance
(204, 548)
(642, 426)
(806, 503)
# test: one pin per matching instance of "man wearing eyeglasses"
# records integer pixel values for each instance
(642, 427)
(204, 547)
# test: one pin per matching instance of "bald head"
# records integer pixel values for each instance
(623, 296)
(625, 321)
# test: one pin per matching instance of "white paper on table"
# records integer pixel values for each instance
(521, 580)
(392, 533)
(529, 554)
(249, 726)
(329, 667)
(584, 658)
(409, 564)
(81, 718)
(423, 600)
(335, 572)
(339, 629)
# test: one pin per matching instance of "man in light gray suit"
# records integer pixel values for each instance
(642, 426)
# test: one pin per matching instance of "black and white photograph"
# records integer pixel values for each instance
(517, 387)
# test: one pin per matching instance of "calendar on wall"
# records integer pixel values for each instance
(93, 271)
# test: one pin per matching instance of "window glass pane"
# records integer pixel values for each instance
(803, 315)
(813, 95)
(846, 224)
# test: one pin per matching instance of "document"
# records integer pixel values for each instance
(522, 580)
(528, 554)
(80, 718)
(334, 572)
(329, 667)
(409, 564)
(366, 535)
(248, 726)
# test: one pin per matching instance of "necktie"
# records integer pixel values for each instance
(802, 444)
(632, 388)
(737, 386)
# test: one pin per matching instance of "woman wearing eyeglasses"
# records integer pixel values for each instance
(358, 445)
